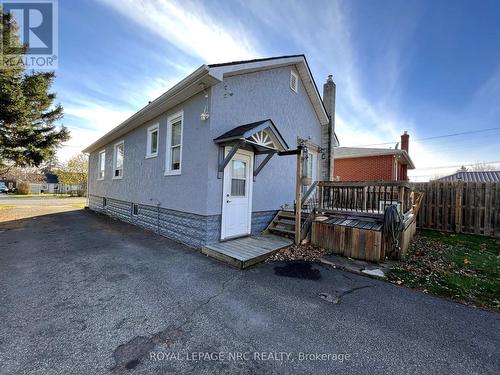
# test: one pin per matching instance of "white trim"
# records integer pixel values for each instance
(114, 160)
(292, 76)
(99, 178)
(149, 131)
(171, 119)
(396, 167)
(250, 154)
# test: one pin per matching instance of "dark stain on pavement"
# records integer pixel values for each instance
(298, 270)
(129, 355)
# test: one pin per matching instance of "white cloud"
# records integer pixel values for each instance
(329, 47)
(87, 120)
(190, 28)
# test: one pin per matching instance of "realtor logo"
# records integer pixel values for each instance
(36, 22)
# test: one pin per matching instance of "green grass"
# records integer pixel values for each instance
(78, 205)
(465, 268)
(6, 206)
(38, 195)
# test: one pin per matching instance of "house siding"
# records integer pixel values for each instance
(258, 96)
(371, 168)
(143, 179)
(188, 207)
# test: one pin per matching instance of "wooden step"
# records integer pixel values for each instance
(284, 222)
(282, 231)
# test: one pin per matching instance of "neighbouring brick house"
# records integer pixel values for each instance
(373, 164)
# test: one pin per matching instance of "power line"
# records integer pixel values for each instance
(434, 137)
(458, 166)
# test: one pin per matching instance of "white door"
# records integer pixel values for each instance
(237, 196)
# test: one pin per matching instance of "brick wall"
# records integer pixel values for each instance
(371, 168)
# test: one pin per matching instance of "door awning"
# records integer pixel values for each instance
(261, 136)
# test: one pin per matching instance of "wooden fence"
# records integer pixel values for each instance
(461, 207)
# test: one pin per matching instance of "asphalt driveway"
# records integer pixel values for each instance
(81, 293)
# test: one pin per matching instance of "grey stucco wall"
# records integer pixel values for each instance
(143, 179)
(190, 204)
(257, 96)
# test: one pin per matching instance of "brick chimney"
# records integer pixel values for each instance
(405, 140)
(328, 131)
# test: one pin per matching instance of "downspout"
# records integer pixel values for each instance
(88, 180)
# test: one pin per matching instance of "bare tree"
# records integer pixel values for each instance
(29, 174)
(74, 172)
(482, 167)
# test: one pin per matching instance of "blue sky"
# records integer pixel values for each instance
(429, 67)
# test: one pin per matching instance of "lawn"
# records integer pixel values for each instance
(39, 195)
(465, 268)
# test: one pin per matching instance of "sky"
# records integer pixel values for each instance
(431, 68)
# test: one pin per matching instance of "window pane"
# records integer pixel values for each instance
(239, 169)
(176, 133)
(176, 158)
(102, 164)
(154, 142)
(119, 156)
(238, 187)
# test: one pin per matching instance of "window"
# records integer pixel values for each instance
(174, 144)
(152, 142)
(118, 160)
(135, 209)
(102, 164)
(238, 178)
(294, 81)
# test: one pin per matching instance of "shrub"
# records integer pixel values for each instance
(23, 188)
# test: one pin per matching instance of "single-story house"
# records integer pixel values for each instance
(207, 160)
(51, 185)
(373, 164)
(483, 176)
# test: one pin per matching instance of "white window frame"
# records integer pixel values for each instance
(151, 130)
(294, 75)
(172, 119)
(102, 154)
(115, 147)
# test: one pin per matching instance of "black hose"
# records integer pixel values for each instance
(393, 225)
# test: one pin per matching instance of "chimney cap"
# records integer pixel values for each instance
(330, 78)
(406, 132)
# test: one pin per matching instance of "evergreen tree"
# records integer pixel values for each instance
(28, 134)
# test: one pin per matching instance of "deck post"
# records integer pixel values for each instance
(298, 198)
(401, 199)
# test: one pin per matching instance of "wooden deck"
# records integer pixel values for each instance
(246, 251)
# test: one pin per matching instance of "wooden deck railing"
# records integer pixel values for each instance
(360, 197)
